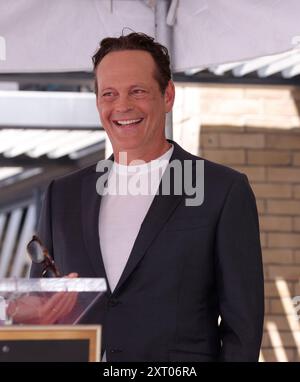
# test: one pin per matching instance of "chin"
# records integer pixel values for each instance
(128, 143)
(129, 147)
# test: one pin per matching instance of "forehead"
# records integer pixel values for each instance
(127, 65)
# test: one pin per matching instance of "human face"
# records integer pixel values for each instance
(131, 106)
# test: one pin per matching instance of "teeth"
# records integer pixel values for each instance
(129, 122)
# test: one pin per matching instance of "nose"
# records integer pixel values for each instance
(123, 104)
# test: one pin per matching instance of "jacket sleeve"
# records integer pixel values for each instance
(239, 274)
(44, 229)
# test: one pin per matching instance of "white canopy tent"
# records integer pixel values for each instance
(38, 36)
(62, 35)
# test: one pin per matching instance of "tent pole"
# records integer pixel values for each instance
(164, 35)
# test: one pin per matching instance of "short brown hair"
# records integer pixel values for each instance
(137, 41)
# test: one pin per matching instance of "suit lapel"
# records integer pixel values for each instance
(90, 206)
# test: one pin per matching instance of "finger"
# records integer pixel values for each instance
(69, 303)
(11, 308)
(51, 309)
(72, 275)
(66, 303)
(58, 307)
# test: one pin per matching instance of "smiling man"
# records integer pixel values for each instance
(131, 104)
(185, 282)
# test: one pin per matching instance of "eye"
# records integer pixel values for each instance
(107, 94)
(138, 92)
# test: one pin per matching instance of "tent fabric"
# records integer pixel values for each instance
(62, 35)
(210, 32)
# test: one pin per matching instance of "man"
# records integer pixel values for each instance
(173, 268)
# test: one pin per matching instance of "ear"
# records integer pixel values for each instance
(169, 96)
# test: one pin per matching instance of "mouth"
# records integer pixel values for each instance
(127, 123)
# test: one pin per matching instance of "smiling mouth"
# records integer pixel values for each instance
(127, 122)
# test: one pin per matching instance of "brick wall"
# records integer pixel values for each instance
(257, 131)
(274, 172)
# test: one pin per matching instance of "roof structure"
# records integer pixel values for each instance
(42, 129)
(279, 69)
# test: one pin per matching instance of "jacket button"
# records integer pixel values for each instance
(113, 302)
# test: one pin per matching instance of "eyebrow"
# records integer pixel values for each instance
(107, 88)
(130, 87)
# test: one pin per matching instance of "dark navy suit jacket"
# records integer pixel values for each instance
(189, 265)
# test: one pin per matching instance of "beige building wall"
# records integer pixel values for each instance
(256, 130)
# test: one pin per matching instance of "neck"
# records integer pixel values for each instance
(126, 157)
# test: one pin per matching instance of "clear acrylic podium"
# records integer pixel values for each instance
(41, 318)
(48, 300)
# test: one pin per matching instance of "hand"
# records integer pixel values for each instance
(42, 310)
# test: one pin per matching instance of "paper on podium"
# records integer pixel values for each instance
(48, 301)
